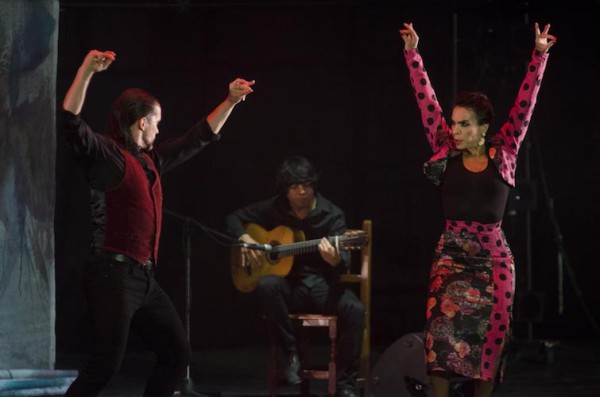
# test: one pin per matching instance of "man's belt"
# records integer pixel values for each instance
(148, 265)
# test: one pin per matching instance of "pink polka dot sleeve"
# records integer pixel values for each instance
(513, 131)
(436, 128)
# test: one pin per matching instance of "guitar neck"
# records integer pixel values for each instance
(301, 247)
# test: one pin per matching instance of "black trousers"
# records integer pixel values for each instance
(278, 297)
(124, 298)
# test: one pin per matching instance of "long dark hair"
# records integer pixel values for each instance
(295, 170)
(129, 107)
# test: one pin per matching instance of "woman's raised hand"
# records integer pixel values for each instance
(410, 37)
(543, 40)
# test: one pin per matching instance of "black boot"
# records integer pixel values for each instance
(292, 369)
(348, 391)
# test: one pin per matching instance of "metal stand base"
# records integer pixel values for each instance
(537, 350)
(187, 389)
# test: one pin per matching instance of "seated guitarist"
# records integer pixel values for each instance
(313, 283)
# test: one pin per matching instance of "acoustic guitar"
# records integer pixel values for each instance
(285, 243)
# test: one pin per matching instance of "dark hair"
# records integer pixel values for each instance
(129, 107)
(295, 170)
(478, 103)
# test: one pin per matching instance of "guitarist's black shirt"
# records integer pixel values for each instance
(324, 220)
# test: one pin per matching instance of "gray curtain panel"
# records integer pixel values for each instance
(28, 55)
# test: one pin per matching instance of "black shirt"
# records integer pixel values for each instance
(103, 162)
(473, 196)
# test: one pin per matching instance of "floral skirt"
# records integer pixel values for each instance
(470, 299)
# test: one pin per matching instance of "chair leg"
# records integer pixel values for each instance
(304, 388)
(272, 370)
(331, 389)
(332, 357)
(303, 347)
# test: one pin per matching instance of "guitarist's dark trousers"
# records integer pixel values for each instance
(313, 294)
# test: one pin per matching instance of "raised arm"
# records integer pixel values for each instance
(436, 128)
(513, 131)
(95, 61)
(238, 89)
(169, 154)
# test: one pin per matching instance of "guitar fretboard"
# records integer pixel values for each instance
(302, 247)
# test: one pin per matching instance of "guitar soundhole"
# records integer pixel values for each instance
(272, 257)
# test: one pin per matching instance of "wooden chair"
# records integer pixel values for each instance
(307, 320)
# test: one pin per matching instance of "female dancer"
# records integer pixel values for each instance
(471, 287)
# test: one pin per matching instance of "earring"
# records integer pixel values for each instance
(481, 140)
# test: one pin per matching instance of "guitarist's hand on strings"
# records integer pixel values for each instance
(329, 253)
(250, 256)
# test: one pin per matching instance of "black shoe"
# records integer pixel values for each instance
(347, 392)
(292, 369)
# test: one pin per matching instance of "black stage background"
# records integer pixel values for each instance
(332, 85)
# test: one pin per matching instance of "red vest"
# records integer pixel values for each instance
(134, 212)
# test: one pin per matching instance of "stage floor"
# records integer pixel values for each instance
(569, 369)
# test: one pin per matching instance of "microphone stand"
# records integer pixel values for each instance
(188, 226)
(187, 387)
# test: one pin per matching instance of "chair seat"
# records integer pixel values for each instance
(314, 320)
(315, 374)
